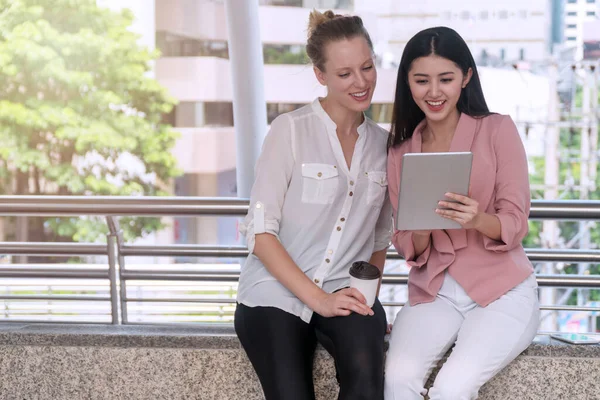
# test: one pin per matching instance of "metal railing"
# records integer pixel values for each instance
(116, 249)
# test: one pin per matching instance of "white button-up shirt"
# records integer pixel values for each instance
(325, 215)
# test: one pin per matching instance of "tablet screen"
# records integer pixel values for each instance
(425, 179)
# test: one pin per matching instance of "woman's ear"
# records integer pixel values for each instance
(320, 76)
(467, 78)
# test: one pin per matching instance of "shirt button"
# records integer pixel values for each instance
(351, 194)
(342, 219)
(319, 174)
(316, 280)
(339, 228)
(327, 260)
(330, 252)
(351, 183)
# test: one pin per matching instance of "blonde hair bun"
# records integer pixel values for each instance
(317, 18)
(327, 27)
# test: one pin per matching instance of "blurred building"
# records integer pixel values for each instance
(591, 40)
(497, 32)
(577, 14)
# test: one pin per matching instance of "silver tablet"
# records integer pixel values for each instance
(426, 177)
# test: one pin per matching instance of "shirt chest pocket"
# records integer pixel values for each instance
(319, 183)
(376, 187)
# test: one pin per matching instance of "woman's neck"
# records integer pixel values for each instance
(442, 131)
(346, 121)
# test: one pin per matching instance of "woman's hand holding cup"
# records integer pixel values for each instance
(343, 303)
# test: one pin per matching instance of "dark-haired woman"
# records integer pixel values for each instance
(474, 287)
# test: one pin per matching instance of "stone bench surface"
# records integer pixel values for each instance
(206, 362)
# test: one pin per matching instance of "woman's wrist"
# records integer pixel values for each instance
(488, 225)
(478, 220)
(316, 299)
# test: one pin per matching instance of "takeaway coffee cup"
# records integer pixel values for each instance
(365, 277)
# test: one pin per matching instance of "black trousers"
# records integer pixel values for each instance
(281, 348)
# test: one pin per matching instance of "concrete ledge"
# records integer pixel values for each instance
(49, 361)
(201, 337)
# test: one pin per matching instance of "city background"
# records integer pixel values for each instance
(71, 71)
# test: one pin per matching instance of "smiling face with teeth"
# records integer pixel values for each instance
(349, 74)
(436, 84)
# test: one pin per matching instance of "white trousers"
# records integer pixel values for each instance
(487, 339)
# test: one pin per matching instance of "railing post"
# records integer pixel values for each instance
(112, 276)
(124, 317)
(115, 231)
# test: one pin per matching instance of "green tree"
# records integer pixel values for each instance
(283, 55)
(79, 112)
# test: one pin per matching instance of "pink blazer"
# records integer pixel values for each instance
(485, 268)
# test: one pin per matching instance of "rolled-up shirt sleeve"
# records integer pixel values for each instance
(512, 192)
(272, 177)
(402, 240)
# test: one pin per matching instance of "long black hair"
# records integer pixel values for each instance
(443, 42)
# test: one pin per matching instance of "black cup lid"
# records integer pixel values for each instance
(364, 270)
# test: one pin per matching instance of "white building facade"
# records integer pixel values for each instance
(577, 14)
